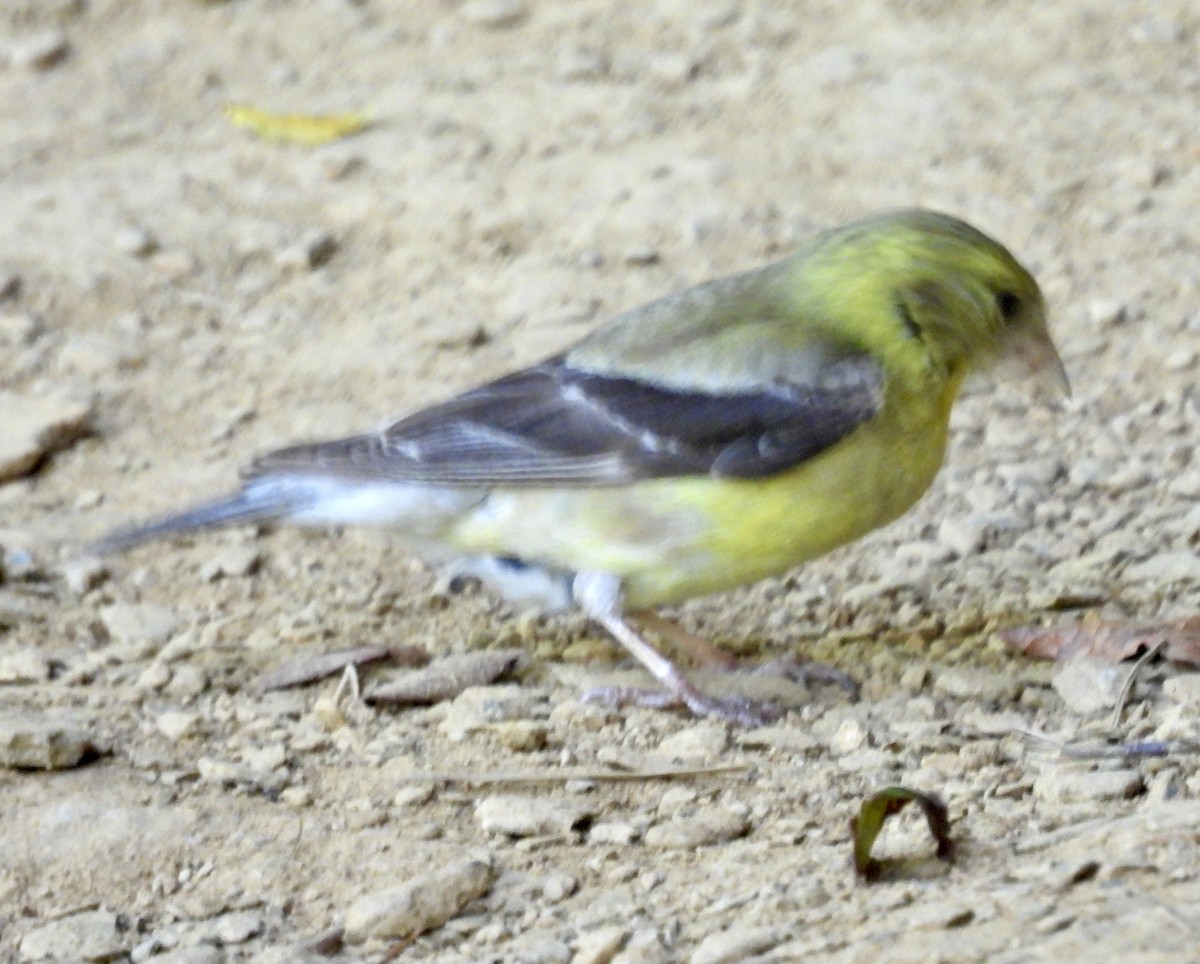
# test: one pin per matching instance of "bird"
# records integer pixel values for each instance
(710, 439)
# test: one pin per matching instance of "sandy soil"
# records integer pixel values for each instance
(533, 169)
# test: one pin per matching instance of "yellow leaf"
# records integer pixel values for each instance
(296, 128)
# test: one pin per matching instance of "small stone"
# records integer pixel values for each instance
(18, 330)
(97, 935)
(1107, 313)
(135, 241)
(601, 945)
(1166, 567)
(850, 736)
(618, 834)
(736, 944)
(704, 741)
(237, 927)
(234, 562)
(522, 736)
(34, 427)
(176, 724)
(964, 536)
(423, 903)
(142, 627)
(1183, 689)
(84, 575)
(196, 954)
(519, 816)
(32, 742)
(265, 759)
(968, 683)
(415, 796)
(311, 252)
(40, 51)
(494, 14)
(675, 799)
(25, 665)
(559, 886)
(1074, 786)
(296, 797)
(673, 69)
(707, 826)
(154, 677)
(1089, 685)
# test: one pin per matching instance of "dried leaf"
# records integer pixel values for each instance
(296, 128)
(445, 678)
(865, 828)
(1180, 640)
(311, 669)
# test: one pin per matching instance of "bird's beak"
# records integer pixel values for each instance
(1033, 352)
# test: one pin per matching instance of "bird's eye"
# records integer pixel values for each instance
(1009, 304)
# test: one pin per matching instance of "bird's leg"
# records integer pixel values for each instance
(700, 649)
(805, 672)
(599, 596)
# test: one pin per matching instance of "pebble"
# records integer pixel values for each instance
(25, 665)
(29, 741)
(522, 736)
(1074, 786)
(421, 904)
(701, 743)
(706, 826)
(135, 241)
(176, 724)
(969, 683)
(1088, 685)
(234, 562)
(41, 51)
(84, 575)
(19, 329)
(97, 935)
(601, 945)
(197, 954)
(736, 944)
(1183, 689)
(615, 833)
(1107, 312)
(850, 736)
(521, 816)
(494, 14)
(1166, 567)
(34, 427)
(559, 886)
(140, 628)
(963, 536)
(312, 251)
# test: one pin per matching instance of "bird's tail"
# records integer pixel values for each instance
(256, 502)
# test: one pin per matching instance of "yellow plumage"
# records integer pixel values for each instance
(704, 441)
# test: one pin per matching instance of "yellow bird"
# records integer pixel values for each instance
(704, 441)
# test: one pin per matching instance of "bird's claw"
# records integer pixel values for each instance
(732, 709)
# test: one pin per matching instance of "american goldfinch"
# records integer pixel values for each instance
(707, 440)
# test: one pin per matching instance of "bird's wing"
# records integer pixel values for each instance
(559, 424)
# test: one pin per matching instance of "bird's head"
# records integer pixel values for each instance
(962, 296)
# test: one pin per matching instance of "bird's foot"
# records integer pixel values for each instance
(733, 709)
(806, 672)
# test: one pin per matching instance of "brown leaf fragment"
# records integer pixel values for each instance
(865, 828)
(312, 669)
(1179, 639)
(445, 678)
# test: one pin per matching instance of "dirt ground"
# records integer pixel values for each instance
(532, 169)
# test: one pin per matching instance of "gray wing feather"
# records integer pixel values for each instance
(554, 424)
